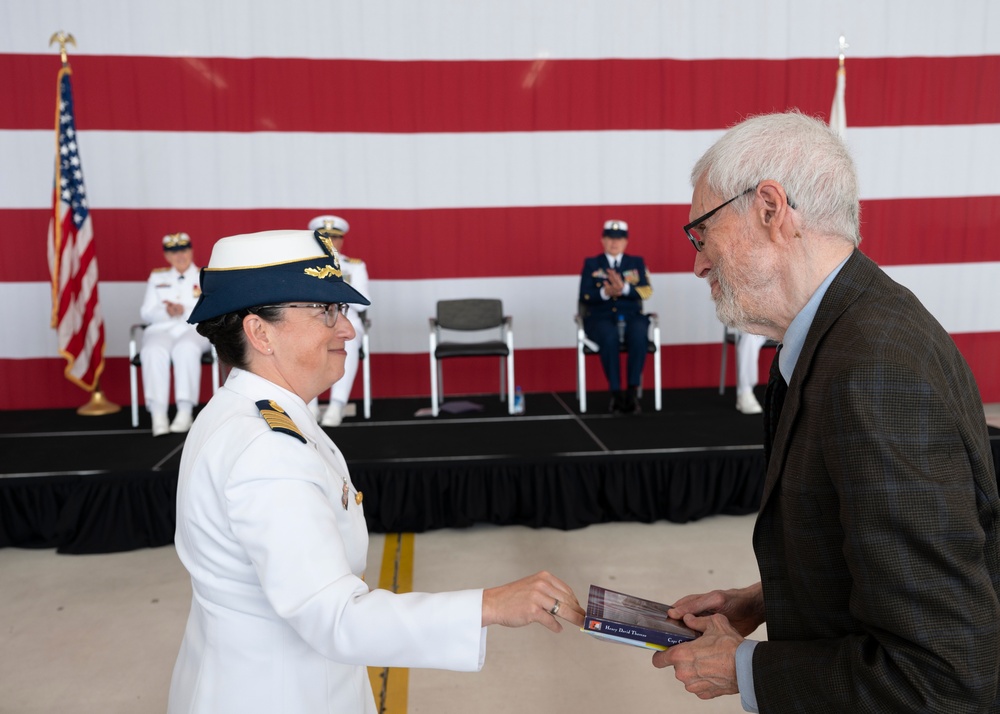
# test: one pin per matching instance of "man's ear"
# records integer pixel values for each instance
(774, 210)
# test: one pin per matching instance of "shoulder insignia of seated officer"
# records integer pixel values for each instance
(161, 270)
(355, 261)
(278, 420)
(644, 292)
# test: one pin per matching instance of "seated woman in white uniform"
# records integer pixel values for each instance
(270, 526)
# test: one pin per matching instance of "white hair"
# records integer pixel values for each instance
(803, 154)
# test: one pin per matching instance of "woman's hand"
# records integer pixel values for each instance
(532, 599)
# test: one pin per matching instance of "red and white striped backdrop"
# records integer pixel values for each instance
(477, 147)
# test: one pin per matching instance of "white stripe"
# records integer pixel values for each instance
(542, 308)
(504, 29)
(197, 170)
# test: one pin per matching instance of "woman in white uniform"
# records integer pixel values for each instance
(270, 526)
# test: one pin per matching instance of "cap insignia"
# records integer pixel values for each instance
(325, 272)
(325, 238)
(278, 420)
(176, 240)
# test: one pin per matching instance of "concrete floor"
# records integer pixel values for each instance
(98, 634)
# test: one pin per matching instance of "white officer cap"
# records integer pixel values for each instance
(615, 229)
(271, 267)
(335, 224)
(176, 241)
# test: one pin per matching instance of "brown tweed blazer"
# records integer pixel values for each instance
(877, 537)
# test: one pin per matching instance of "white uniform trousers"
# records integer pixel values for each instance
(181, 345)
(747, 351)
(341, 391)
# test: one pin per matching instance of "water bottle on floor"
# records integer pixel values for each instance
(518, 401)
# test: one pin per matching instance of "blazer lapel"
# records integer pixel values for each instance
(852, 281)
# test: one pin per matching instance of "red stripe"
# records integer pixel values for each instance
(77, 341)
(489, 242)
(70, 292)
(38, 383)
(67, 240)
(129, 93)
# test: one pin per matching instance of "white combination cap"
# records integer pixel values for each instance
(334, 224)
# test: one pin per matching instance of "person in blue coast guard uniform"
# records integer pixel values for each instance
(171, 294)
(612, 288)
(272, 529)
(356, 275)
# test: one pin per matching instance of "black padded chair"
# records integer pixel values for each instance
(470, 315)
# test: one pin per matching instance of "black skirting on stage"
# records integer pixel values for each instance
(94, 485)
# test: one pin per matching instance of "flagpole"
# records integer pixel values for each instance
(97, 405)
(838, 111)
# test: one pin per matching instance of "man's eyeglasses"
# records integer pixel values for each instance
(691, 228)
(331, 310)
(692, 231)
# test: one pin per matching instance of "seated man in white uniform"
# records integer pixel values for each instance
(356, 275)
(747, 351)
(171, 294)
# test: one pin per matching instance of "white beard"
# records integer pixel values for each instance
(745, 285)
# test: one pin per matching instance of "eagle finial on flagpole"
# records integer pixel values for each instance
(63, 38)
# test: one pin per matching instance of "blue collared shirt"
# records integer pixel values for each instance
(791, 348)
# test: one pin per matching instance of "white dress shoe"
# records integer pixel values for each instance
(747, 403)
(181, 423)
(161, 425)
(333, 416)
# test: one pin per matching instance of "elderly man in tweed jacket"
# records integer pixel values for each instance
(877, 538)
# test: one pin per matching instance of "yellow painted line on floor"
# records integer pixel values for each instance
(391, 685)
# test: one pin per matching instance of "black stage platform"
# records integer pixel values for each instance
(94, 484)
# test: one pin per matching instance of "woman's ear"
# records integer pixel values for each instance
(258, 334)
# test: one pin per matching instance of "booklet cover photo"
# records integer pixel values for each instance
(632, 620)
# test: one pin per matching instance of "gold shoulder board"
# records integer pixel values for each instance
(277, 419)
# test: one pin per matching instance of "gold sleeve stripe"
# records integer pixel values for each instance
(645, 292)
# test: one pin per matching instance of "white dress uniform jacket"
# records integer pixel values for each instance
(281, 620)
(167, 284)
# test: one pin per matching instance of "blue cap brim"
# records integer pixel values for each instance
(229, 290)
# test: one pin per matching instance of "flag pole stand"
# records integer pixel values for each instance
(98, 405)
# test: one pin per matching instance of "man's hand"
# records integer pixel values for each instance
(174, 309)
(706, 666)
(743, 607)
(614, 285)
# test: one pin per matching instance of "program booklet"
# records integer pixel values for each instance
(632, 620)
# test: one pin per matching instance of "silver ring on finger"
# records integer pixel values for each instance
(554, 610)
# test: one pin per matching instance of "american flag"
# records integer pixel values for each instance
(476, 147)
(76, 314)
